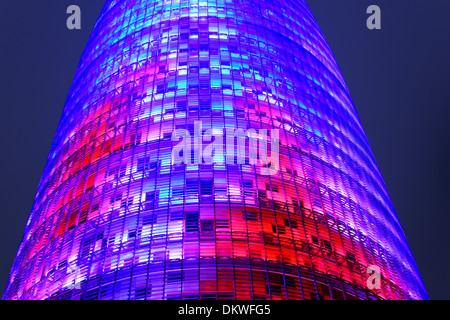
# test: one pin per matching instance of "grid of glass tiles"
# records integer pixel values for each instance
(113, 218)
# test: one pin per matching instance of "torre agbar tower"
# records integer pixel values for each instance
(120, 215)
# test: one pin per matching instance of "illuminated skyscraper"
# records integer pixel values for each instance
(116, 216)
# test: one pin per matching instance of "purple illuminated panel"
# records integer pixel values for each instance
(210, 149)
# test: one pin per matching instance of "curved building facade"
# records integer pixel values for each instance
(211, 150)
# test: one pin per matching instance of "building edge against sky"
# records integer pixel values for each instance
(115, 218)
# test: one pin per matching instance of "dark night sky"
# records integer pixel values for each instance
(399, 79)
